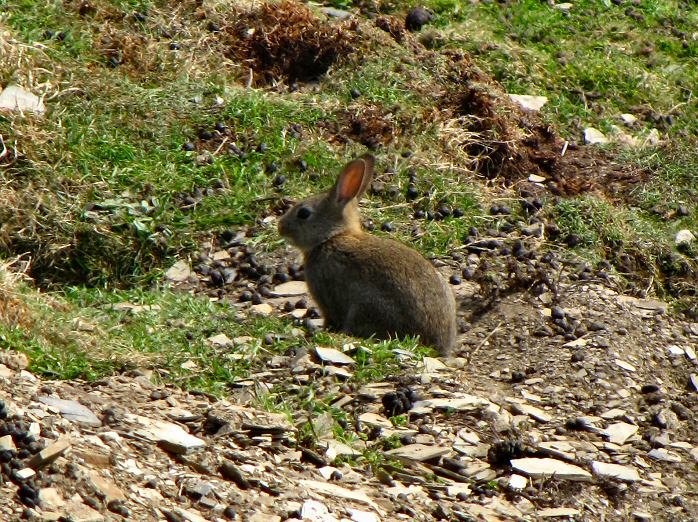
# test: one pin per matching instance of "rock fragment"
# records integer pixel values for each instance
(550, 468)
(615, 471)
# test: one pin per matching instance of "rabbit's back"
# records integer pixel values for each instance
(366, 285)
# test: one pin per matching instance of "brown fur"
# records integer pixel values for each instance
(366, 285)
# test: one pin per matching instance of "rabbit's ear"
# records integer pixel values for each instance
(354, 179)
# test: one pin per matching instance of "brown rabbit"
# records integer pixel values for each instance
(366, 285)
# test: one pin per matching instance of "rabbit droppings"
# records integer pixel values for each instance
(366, 285)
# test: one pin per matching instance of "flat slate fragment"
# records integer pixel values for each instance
(49, 453)
(548, 468)
(418, 452)
(330, 355)
(72, 410)
(615, 471)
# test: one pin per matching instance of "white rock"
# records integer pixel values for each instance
(547, 468)
(315, 511)
(262, 309)
(220, 340)
(533, 412)
(628, 119)
(675, 350)
(25, 473)
(530, 102)
(558, 512)
(431, 365)
(193, 516)
(178, 272)
(664, 455)
(290, 289)
(611, 414)
(594, 136)
(684, 237)
(615, 471)
(535, 178)
(690, 353)
(564, 6)
(6, 443)
(418, 452)
(518, 482)
(72, 410)
(463, 402)
(14, 98)
(333, 490)
(620, 432)
(625, 365)
(363, 516)
(173, 436)
(332, 356)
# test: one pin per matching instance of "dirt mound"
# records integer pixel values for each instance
(509, 142)
(371, 126)
(286, 41)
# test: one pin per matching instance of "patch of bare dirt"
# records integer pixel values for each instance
(372, 126)
(287, 41)
(508, 142)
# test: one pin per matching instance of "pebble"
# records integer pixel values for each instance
(15, 98)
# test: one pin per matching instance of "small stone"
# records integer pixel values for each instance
(684, 237)
(25, 473)
(620, 432)
(558, 512)
(179, 272)
(518, 482)
(594, 136)
(663, 455)
(418, 452)
(532, 411)
(290, 289)
(15, 98)
(628, 119)
(171, 437)
(625, 365)
(50, 453)
(7, 444)
(548, 468)
(73, 411)
(532, 103)
(332, 356)
(615, 471)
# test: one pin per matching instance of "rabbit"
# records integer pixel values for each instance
(365, 285)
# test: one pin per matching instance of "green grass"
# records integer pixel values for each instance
(96, 192)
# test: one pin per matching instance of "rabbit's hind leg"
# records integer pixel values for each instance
(366, 321)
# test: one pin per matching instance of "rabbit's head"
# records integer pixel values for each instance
(316, 219)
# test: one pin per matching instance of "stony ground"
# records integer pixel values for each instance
(573, 395)
(566, 400)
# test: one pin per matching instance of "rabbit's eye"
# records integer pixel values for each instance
(304, 213)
